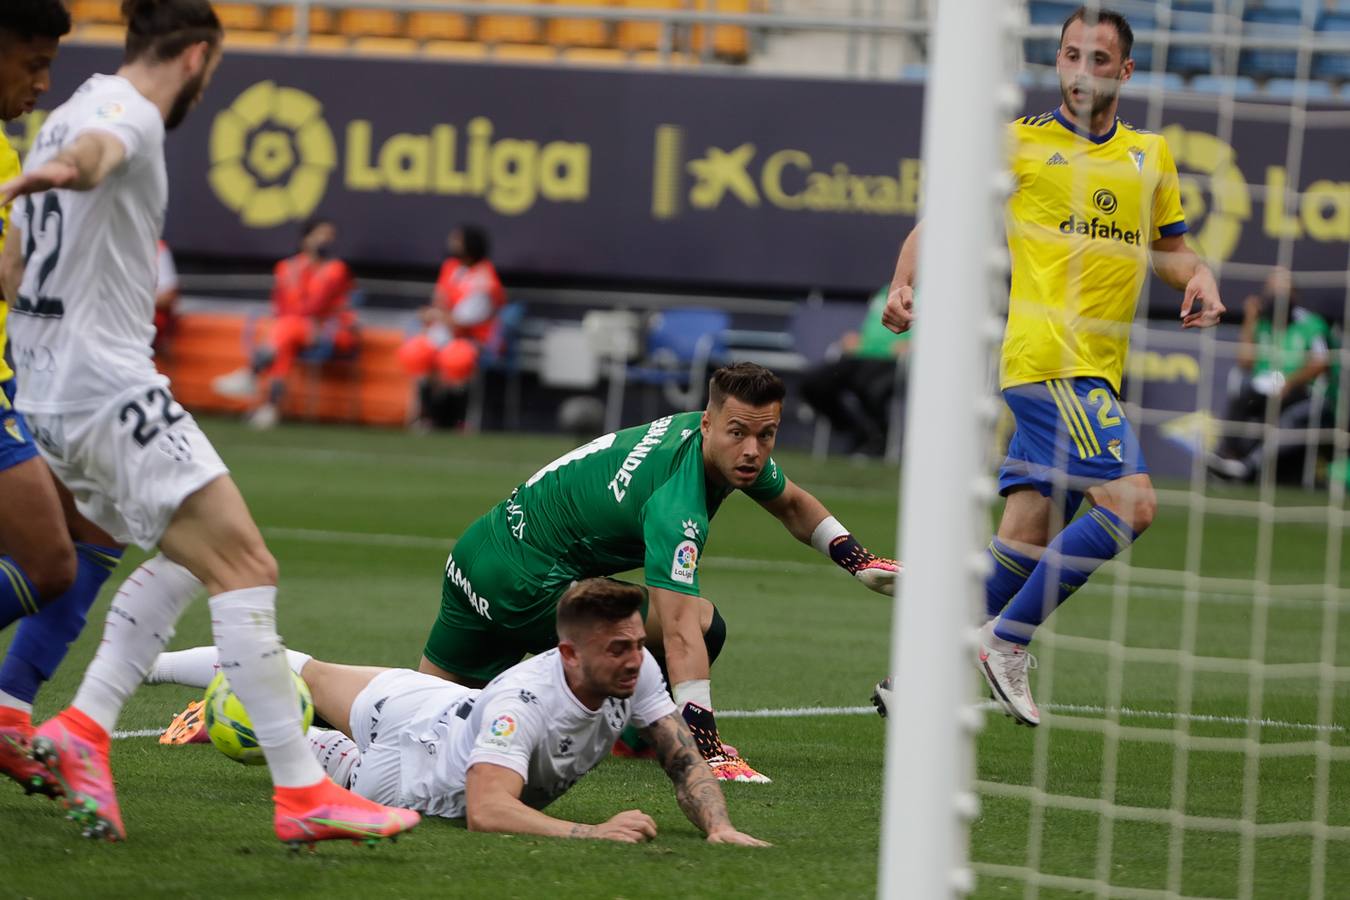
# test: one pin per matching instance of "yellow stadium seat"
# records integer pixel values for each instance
(492, 29)
(385, 46)
(595, 56)
(100, 34)
(328, 43)
(109, 11)
(645, 35)
(435, 26)
(652, 58)
(533, 53)
(241, 17)
(579, 32)
(730, 42)
(370, 23)
(246, 39)
(321, 21)
(455, 49)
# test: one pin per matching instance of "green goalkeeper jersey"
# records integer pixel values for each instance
(637, 498)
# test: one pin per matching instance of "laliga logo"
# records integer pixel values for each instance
(271, 155)
(1208, 162)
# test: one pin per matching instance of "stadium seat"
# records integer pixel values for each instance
(595, 56)
(1191, 59)
(646, 35)
(455, 49)
(385, 46)
(682, 346)
(105, 11)
(1148, 80)
(579, 32)
(328, 43)
(383, 23)
(529, 53)
(321, 20)
(654, 59)
(1224, 85)
(492, 29)
(1041, 51)
(729, 42)
(246, 39)
(436, 26)
(1311, 89)
(1263, 63)
(241, 16)
(1143, 50)
(98, 33)
(1333, 66)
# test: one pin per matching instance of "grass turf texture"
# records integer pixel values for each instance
(361, 520)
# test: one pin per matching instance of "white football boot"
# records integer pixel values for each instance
(1004, 666)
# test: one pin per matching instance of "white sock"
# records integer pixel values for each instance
(336, 752)
(196, 666)
(698, 691)
(140, 622)
(251, 654)
(12, 702)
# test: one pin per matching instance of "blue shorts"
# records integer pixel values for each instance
(16, 441)
(1071, 434)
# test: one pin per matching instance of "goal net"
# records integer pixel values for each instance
(1195, 692)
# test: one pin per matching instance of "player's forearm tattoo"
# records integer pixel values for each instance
(696, 789)
(582, 831)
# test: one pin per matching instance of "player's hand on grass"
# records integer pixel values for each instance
(739, 838)
(899, 313)
(1203, 290)
(632, 826)
(55, 174)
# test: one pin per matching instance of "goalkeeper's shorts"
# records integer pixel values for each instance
(1071, 434)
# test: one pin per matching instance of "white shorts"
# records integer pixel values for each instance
(385, 711)
(130, 463)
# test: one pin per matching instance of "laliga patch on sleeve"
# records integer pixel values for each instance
(685, 562)
(499, 733)
(111, 111)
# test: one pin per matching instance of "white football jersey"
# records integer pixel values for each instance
(84, 321)
(528, 720)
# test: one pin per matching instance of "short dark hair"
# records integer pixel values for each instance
(1103, 16)
(596, 601)
(162, 29)
(747, 382)
(314, 224)
(475, 241)
(29, 19)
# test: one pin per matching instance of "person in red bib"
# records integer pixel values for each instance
(311, 307)
(460, 322)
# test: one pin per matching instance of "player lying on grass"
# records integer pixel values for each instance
(638, 498)
(498, 756)
(1094, 201)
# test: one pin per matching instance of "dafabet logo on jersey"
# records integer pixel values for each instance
(272, 155)
(786, 179)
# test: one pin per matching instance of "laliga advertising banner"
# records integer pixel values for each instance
(734, 182)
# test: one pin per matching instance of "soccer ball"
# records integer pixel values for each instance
(228, 725)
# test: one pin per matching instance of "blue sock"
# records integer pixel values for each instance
(18, 596)
(1069, 561)
(1011, 570)
(42, 640)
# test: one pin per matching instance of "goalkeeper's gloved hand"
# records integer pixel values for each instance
(876, 572)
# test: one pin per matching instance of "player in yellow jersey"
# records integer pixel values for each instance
(1094, 202)
(47, 583)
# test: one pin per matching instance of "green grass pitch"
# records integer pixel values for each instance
(360, 522)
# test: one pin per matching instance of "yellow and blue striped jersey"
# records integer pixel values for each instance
(1084, 210)
(9, 168)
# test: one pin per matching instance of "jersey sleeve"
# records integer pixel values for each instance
(512, 728)
(1168, 218)
(673, 534)
(651, 700)
(137, 125)
(770, 483)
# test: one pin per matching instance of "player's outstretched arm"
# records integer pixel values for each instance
(82, 166)
(696, 788)
(11, 265)
(1180, 267)
(899, 313)
(492, 795)
(807, 519)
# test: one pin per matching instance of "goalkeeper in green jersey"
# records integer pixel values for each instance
(638, 498)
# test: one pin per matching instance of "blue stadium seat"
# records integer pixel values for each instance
(1333, 66)
(1236, 85)
(683, 346)
(1191, 59)
(1291, 87)
(1046, 12)
(1142, 81)
(1143, 51)
(1263, 63)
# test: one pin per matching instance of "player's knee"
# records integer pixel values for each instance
(53, 573)
(1145, 508)
(715, 636)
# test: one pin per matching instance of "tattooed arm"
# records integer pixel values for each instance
(696, 789)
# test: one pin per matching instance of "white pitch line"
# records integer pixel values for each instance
(801, 712)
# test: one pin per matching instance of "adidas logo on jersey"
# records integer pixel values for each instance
(1056, 160)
